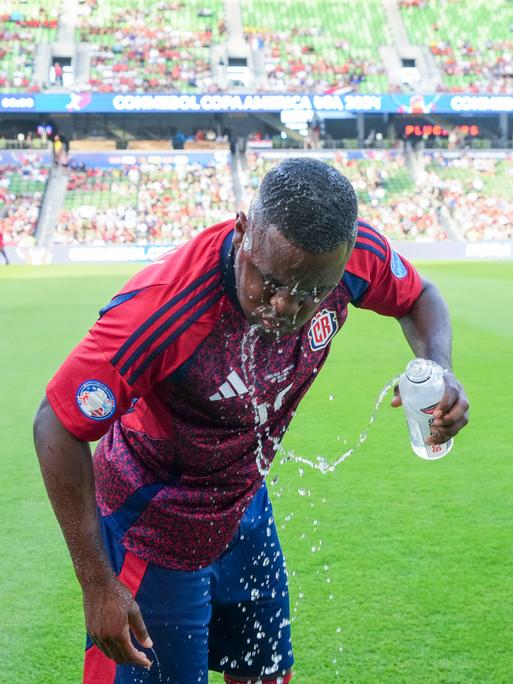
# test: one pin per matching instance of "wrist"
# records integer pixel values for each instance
(92, 575)
(443, 362)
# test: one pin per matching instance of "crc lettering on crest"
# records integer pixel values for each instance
(322, 328)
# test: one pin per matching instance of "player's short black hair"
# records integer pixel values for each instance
(311, 203)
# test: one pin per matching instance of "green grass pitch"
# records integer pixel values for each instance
(401, 571)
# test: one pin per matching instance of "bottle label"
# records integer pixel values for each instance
(416, 435)
(431, 420)
(418, 386)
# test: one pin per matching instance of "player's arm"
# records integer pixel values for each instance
(127, 351)
(427, 329)
(381, 280)
(110, 609)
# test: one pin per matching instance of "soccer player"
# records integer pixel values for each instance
(190, 378)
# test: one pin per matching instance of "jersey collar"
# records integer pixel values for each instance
(228, 270)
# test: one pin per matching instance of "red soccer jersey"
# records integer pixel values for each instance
(183, 420)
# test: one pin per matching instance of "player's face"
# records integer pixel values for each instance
(279, 285)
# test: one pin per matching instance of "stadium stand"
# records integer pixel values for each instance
(21, 193)
(145, 47)
(390, 199)
(471, 192)
(472, 43)
(460, 194)
(476, 190)
(23, 26)
(145, 203)
(323, 46)
(387, 195)
(99, 207)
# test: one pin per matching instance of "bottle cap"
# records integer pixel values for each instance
(419, 370)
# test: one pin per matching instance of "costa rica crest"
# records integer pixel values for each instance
(322, 328)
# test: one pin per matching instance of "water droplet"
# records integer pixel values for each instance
(322, 463)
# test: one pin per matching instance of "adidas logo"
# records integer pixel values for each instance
(233, 387)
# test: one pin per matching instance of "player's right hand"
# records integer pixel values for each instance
(111, 613)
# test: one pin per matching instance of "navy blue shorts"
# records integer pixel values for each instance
(232, 616)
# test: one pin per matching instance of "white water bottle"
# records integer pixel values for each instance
(421, 388)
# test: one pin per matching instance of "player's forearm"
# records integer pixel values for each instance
(68, 475)
(427, 327)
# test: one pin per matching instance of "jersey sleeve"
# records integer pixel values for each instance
(142, 336)
(378, 278)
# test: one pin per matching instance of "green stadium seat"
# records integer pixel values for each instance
(471, 42)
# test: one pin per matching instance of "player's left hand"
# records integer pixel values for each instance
(451, 413)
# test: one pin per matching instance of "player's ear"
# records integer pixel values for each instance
(241, 224)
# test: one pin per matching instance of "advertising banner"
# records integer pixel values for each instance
(130, 157)
(449, 250)
(121, 157)
(126, 103)
(8, 157)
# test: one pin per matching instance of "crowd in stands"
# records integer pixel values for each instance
(466, 195)
(476, 191)
(22, 27)
(472, 44)
(390, 200)
(298, 45)
(21, 194)
(318, 47)
(144, 203)
(387, 196)
(147, 47)
(307, 69)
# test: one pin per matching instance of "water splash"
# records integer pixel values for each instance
(321, 463)
(158, 664)
(247, 349)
